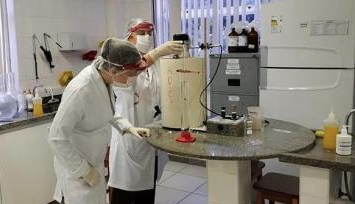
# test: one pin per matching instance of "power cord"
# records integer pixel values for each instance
(202, 46)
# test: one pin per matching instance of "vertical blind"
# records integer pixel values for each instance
(220, 15)
(6, 72)
(161, 21)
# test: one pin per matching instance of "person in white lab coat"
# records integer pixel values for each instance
(81, 130)
(133, 165)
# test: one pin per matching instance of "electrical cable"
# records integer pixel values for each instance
(347, 186)
(209, 83)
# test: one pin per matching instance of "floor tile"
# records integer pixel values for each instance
(166, 175)
(193, 170)
(194, 199)
(166, 195)
(183, 182)
(202, 190)
(175, 166)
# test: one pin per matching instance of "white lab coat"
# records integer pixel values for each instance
(132, 162)
(79, 136)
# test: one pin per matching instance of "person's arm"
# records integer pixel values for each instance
(122, 125)
(168, 48)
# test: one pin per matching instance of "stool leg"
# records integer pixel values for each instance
(259, 198)
(294, 201)
(271, 202)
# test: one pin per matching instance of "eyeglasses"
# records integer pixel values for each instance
(143, 32)
(141, 65)
(138, 66)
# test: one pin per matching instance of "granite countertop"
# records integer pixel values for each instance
(320, 157)
(24, 120)
(278, 137)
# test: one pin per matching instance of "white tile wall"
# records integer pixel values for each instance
(97, 19)
(53, 16)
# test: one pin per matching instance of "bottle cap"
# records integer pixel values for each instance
(344, 130)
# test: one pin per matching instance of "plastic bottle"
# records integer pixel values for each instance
(232, 41)
(234, 112)
(37, 106)
(21, 102)
(248, 126)
(8, 106)
(253, 40)
(223, 112)
(343, 142)
(331, 127)
(29, 98)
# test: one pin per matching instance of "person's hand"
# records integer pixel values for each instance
(139, 132)
(168, 48)
(92, 178)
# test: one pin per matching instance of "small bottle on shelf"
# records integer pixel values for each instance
(253, 40)
(232, 41)
(242, 41)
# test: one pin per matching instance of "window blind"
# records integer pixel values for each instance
(220, 16)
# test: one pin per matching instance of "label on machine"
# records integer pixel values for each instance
(233, 98)
(232, 61)
(233, 66)
(233, 71)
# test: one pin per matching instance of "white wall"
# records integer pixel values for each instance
(120, 11)
(53, 16)
(97, 19)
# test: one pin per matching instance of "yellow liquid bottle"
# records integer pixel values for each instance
(331, 128)
(37, 106)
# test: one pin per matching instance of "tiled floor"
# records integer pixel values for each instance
(182, 184)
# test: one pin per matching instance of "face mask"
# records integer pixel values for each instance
(144, 43)
(118, 84)
(130, 81)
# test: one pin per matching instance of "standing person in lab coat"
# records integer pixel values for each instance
(81, 130)
(133, 165)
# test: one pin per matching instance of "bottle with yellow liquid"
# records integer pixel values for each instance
(331, 127)
(37, 106)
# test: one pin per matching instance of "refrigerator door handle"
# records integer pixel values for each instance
(264, 84)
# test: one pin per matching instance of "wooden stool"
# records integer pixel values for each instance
(257, 169)
(277, 187)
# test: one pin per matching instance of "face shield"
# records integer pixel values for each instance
(141, 65)
(143, 31)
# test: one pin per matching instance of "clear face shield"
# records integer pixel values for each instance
(129, 71)
(145, 36)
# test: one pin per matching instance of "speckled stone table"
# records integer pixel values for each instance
(25, 120)
(320, 172)
(228, 157)
(320, 157)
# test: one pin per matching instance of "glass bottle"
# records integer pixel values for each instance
(242, 41)
(253, 41)
(232, 41)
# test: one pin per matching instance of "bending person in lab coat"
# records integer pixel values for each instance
(81, 130)
(133, 165)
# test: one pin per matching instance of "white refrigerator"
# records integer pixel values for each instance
(307, 61)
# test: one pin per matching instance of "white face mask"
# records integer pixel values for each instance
(130, 81)
(118, 84)
(144, 43)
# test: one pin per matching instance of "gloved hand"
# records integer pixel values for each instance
(92, 178)
(139, 132)
(168, 48)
